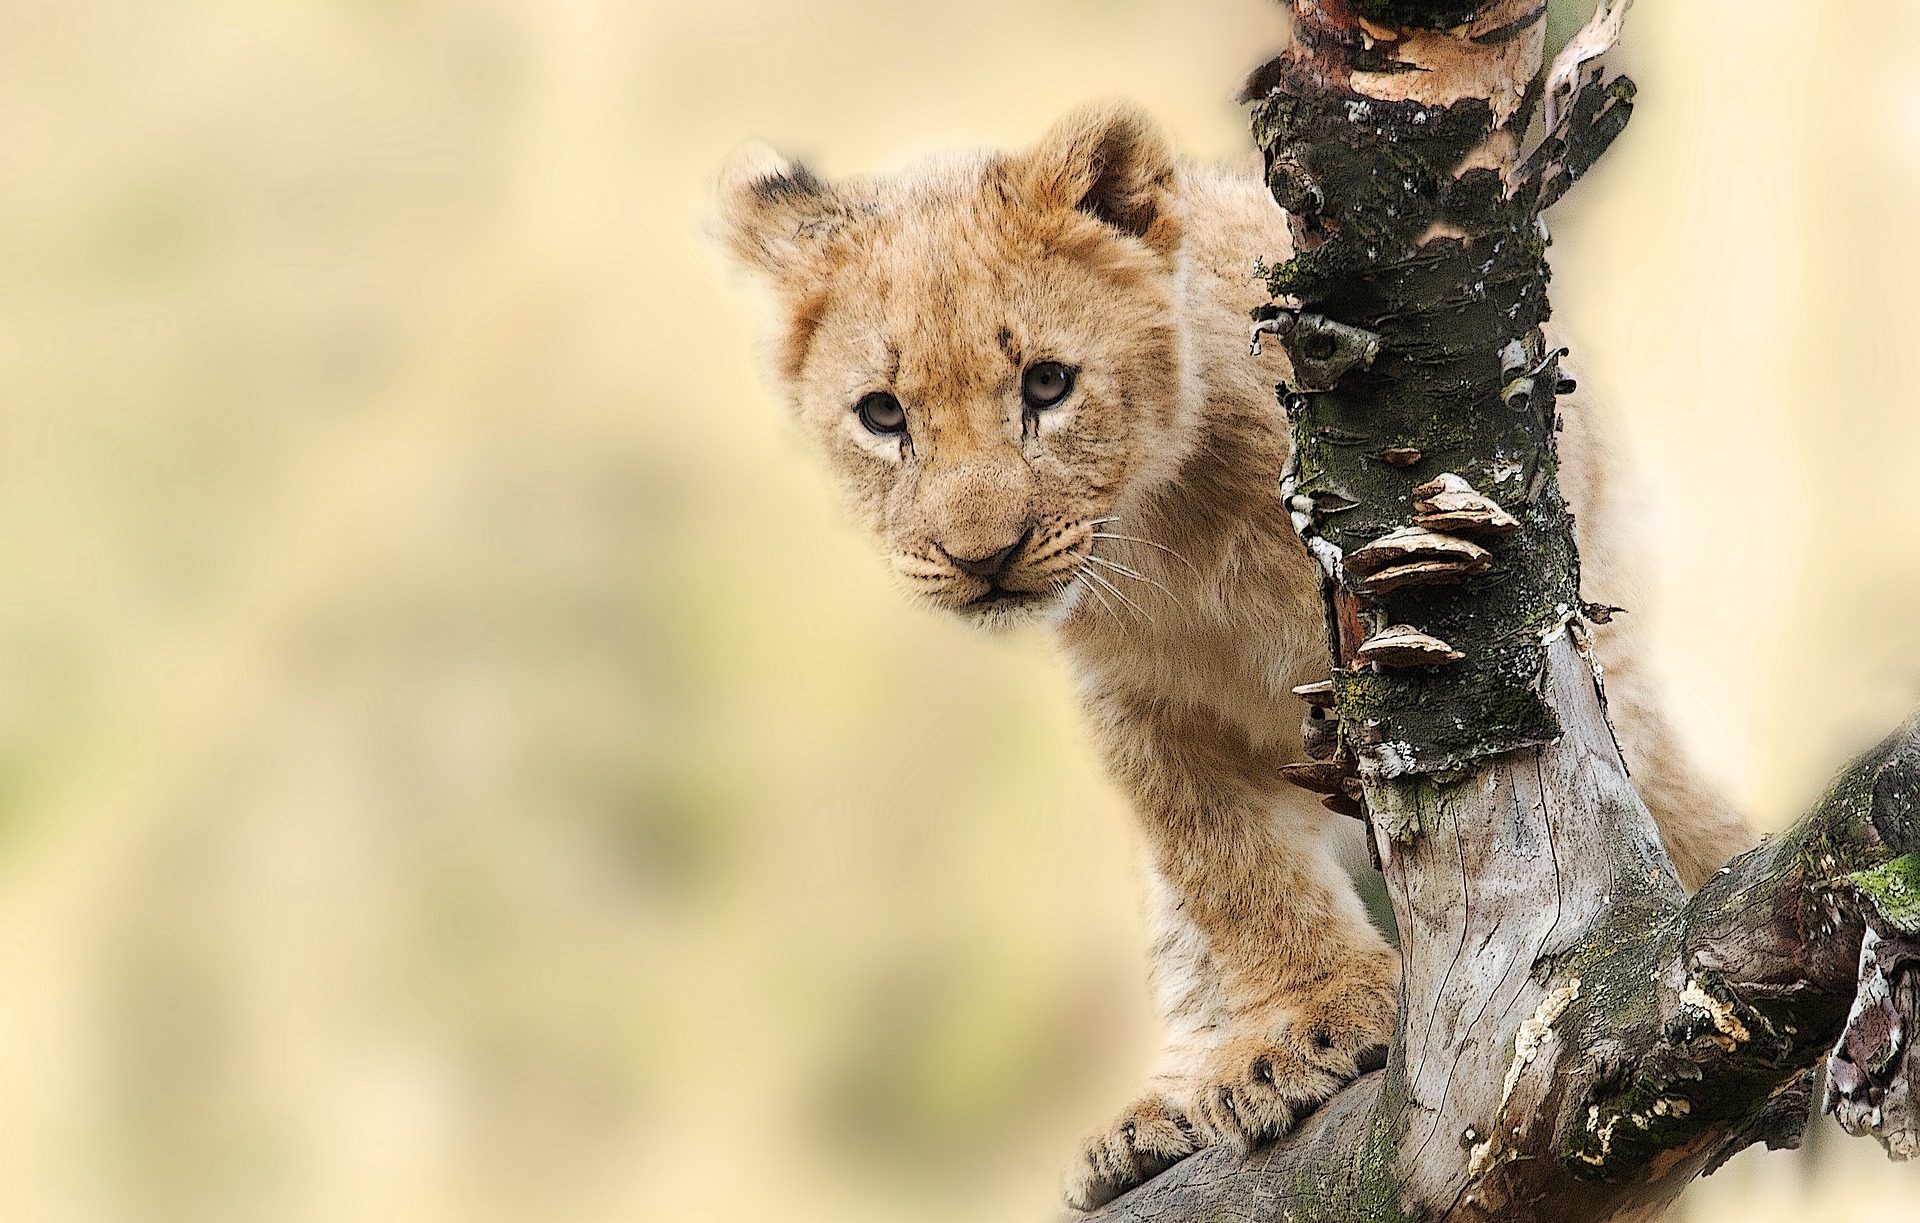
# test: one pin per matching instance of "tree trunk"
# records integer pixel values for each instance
(1578, 1039)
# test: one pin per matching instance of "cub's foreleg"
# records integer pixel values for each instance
(1273, 986)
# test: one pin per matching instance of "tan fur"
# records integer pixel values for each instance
(1149, 535)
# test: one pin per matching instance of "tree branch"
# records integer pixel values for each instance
(1577, 1038)
(1660, 1042)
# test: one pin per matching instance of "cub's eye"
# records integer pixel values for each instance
(882, 413)
(1045, 384)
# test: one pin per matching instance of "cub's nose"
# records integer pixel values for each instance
(987, 566)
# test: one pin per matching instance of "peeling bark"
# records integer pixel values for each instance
(1876, 1062)
(1578, 1039)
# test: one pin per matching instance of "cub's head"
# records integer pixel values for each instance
(987, 351)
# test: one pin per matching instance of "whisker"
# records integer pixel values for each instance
(1139, 612)
(1138, 577)
(1135, 574)
(1115, 592)
(1095, 592)
(1135, 539)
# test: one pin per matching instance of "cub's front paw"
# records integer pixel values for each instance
(1259, 1088)
(1146, 1139)
(1259, 1085)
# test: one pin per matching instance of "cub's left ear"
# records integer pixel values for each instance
(772, 212)
(1113, 164)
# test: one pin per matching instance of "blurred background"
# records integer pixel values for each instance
(456, 760)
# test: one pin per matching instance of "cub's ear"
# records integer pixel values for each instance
(1112, 163)
(772, 212)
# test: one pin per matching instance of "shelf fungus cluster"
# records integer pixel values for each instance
(1337, 781)
(1435, 551)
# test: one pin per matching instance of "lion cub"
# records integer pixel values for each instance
(1031, 374)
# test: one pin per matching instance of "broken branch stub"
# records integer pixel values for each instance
(1874, 1065)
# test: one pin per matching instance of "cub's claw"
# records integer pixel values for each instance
(1285, 1062)
(1260, 1089)
(1145, 1140)
(1258, 1086)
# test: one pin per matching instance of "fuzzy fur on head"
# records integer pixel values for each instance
(942, 286)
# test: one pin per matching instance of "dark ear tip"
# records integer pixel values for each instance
(1128, 136)
(1123, 121)
(765, 204)
(759, 174)
(789, 185)
(1113, 162)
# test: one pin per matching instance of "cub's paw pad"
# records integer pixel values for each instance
(1258, 1091)
(1141, 1143)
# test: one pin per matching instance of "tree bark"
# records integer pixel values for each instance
(1578, 1039)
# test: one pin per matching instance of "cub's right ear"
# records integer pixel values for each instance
(1111, 163)
(773, 212)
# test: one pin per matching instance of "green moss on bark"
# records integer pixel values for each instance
(1893, 889)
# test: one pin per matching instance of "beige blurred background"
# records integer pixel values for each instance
(457, 763)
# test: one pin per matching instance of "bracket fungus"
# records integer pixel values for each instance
(1402, 645)
(1322, 777)
(1340, 804)
(1448, 503)
(1319, 695)
(1416, 556)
